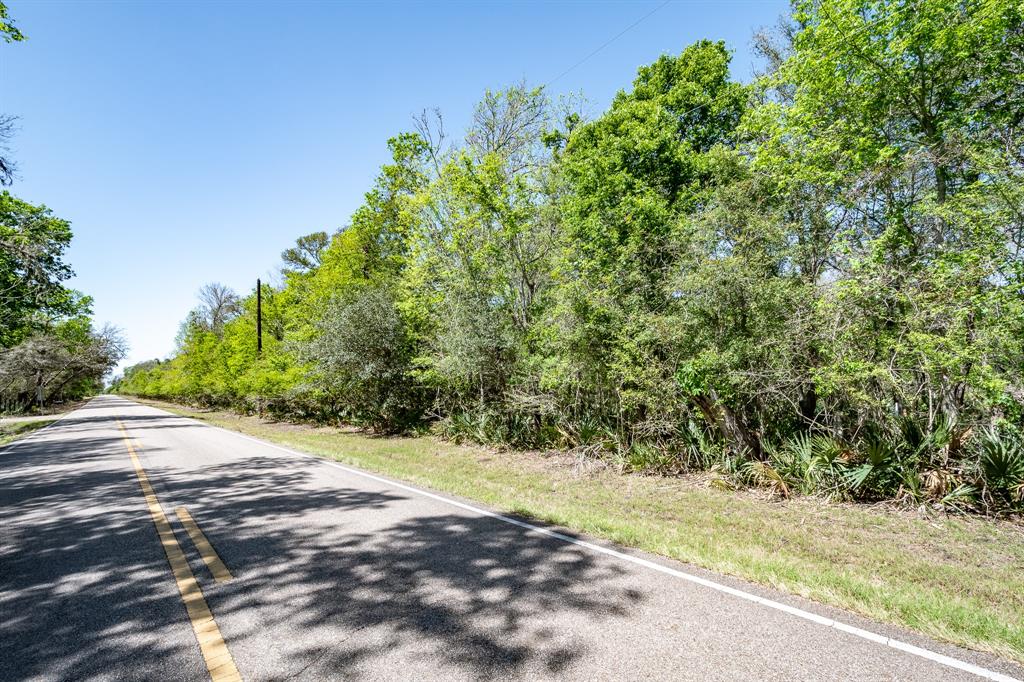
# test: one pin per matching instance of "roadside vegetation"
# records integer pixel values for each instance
(958, 578)
(810, 283)
(49, 347)
(15, 430)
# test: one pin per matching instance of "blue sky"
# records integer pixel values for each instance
(193, 142)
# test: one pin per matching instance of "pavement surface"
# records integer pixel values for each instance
(336, 575)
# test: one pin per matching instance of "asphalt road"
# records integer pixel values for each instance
(337, 575)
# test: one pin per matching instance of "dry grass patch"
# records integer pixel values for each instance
(12, 431)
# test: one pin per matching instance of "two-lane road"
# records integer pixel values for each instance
(328, 573)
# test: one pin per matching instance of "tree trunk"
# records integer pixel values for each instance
(729, 425)
(809, 404)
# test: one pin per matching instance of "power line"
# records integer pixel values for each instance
(608, 42)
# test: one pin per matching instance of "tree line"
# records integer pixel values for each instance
(49, 348)
(811, 282)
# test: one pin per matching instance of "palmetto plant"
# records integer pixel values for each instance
(878, 472)
(813, 463)
(1002, 466)
(650, 458)
(911, 463)
(699, 449)
(581, 432)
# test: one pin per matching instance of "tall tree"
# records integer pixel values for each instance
(481, 255)
(32, 269)
(896, 118)
(632, 175)
(10, 34)
(220, 304)
(308, 252)
(67, 360)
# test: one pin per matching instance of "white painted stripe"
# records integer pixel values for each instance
(32, 437)
(942, 659)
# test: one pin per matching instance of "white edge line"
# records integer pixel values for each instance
(748, 596)
(30, 438)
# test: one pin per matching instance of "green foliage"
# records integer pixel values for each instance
(32, 267)
(49, 349)
(361, 362)
(8, 30)
(64, 362)
(1002, 466)
(650, 458)
(633, 179)
(812, 283)
(307, 254)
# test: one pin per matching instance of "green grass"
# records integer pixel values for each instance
(12, 431)
(957, 579)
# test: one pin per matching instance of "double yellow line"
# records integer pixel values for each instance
(215, 652)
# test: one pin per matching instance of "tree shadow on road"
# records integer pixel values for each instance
(332, 578)
(374, 578)
(82, 587)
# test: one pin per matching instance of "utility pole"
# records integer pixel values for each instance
(259, 318)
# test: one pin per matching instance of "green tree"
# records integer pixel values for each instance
(481, 258)
(632, 177)
(814, 282)
(361, 362)
(32, 267)
(68, 360)
(8, 30)
(895, 118)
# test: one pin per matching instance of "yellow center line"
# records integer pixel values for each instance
(215, 652)
(217, 568)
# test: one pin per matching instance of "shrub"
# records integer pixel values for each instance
(1001, 464)
(361, 358)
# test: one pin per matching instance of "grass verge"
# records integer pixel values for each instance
(956, 579)
(12, 431)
